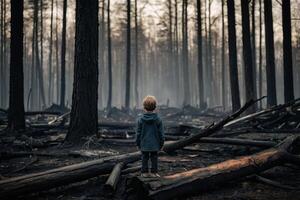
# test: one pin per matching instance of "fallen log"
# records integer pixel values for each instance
(206, 132)
(274, 183)
(113, 179)
(213, 140)
(63, 175)
(200, 179)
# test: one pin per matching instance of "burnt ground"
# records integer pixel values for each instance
(195, 156)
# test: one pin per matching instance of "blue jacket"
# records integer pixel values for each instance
(149, 132)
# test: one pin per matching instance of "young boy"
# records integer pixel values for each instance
(149, 136)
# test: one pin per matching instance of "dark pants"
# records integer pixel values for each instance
(145, 158)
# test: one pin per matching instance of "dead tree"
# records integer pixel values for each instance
(63, 57)
(247, 53)
(270, 58)
(16, 119)
(234, 81)
(113, 179)
(84, 112)
(109, 61)
(50, 75)
(201, 179)
(128, 55)
(63, 175)
(287, 52)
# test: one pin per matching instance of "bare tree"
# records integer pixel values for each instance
(16, 119)
(84, 112)
(109, 57)
(50, 94)
(287, 52)
(128, 55)
(63, 57)
(270, 58)
(234, 82)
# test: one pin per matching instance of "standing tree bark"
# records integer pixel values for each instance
(136, 77)
(185, 57)
(199, 64)
(260, 53)
(63, 57)
(253, 45)
(223, 58)
(50, 55)
(287, 52)
(16, 119)
(247, 53)
(128, 55)
(270, 60)
(234, 82)
(84, 112)
(109, 57)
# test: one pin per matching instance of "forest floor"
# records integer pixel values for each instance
(194, 156)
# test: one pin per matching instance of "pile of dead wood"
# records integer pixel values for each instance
(180, 184)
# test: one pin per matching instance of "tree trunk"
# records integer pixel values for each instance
(109, 57)
(176, 53)
(287, 52)
(128, 56)
(234, 82)
(200, 179)
(56, 54)
(113, 179)
(270, 60)
(260, 53)
(185, 52)
(253, 45)
(199, 64)
(247, 52)
(63, 57)
(223, 59)
(16, 119)
(63, 175)
(50, 94)
(136, 77)
(84, 112)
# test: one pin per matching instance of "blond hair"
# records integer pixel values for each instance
(149, 103)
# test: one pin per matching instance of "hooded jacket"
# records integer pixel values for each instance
(149, 132)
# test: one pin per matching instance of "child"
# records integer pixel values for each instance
(149, 136)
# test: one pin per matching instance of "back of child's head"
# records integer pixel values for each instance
(149, 103)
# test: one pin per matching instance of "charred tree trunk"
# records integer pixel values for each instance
(16, 119)
(185, 57)
(63, 175)
(260, 53)
(176, 52)
(84, 112)
(63, 57)
(136, 77)
(247, 52)
(56, 54)
(287, 52)
(200, 179)
(270, 58)
(223, 59)
(109, 57)
(199, 64)
(253, 45)
(50, 94)
(234, 82)
(128, 56)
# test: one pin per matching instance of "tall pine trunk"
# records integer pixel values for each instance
(50, 91)
(270, 58)
(234, 82)
(128, 56)
(287, 52)
(260, 53)
(16, 119)
(63, 57)
(185, 57)
(84, 112)
(247, 54)
(199, 64)
(109, 57)
(136, 76)
(223, 58)
(253, 45)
